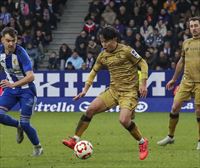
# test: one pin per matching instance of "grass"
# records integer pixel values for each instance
(113, 146)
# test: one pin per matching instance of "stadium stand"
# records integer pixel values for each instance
(155, 28)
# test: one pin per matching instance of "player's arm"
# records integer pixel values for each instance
(137, 60)
(27, 79)
(144, 76)
(88, 83)
(178, 71)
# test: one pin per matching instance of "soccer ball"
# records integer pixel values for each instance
(83, 149)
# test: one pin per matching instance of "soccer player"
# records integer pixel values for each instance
(122, 63)
(190, 84)
(18, 88)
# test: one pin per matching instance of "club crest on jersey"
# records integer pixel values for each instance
(15, 61)
(135, 54)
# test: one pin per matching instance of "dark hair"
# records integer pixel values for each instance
(195, 18)
(109, 33)
(9, 30)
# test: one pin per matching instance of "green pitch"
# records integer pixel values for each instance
(113, 146)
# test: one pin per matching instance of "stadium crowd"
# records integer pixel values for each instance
(154, 28)
(34, 20)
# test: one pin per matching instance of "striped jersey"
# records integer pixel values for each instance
(16, 65)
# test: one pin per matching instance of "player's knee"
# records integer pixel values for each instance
(25, 125)
(90, 112)
(176, 108)
(125, 121)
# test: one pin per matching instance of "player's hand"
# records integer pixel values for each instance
(143, 91)
(6, 84)
(170, 85)
(82, 94)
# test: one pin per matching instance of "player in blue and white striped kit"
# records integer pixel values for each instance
(18, 88)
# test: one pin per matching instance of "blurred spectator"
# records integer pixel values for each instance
(84, 66)
(53, 61)
(10, 5)
(162, 61)
(93, 48)
(137, 16)
(34, 54)
(1, 25)
(146, 29)
(82, 38)
(24, 8)
(90, 60)
(96, 6)
(133, 26)
(167, 19)
(154, 39)
(5, 16)
(170, 6)
(162, 29)
(109, 15)
(64, 53)
(129, 37)
(139, 48)
(150, 59)
(39, 41)
(168, 50)
(69, 66)
(76, 60)
(89, 27)
(16, 25)
(46, 31)
(82, 50)
(28, 27)
(123, 15)
(119, 27)
(150, 17)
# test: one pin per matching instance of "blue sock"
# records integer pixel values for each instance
(8, 120)
(30, 132)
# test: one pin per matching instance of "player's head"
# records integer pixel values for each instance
(108, 38)
(194, 24)
(9, 39)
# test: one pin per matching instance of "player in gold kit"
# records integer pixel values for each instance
(122, 63)
(190, 84)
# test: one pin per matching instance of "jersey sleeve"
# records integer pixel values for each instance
(98, 64)
(183, 50)
(132, 55)
(25, 60)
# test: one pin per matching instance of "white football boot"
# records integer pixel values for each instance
(198, 146)
(37, 150)
(166, 140)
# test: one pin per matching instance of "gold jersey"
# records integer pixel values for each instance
(191, 55)
(122, 66)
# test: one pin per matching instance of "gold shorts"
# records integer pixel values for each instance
(187, 90)
(126, 100)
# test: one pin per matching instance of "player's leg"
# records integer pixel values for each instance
(27, 103)
(127, 105)
(183, 94)
(197, 110)
(173, 121)
(98, 105)
(6, 103)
